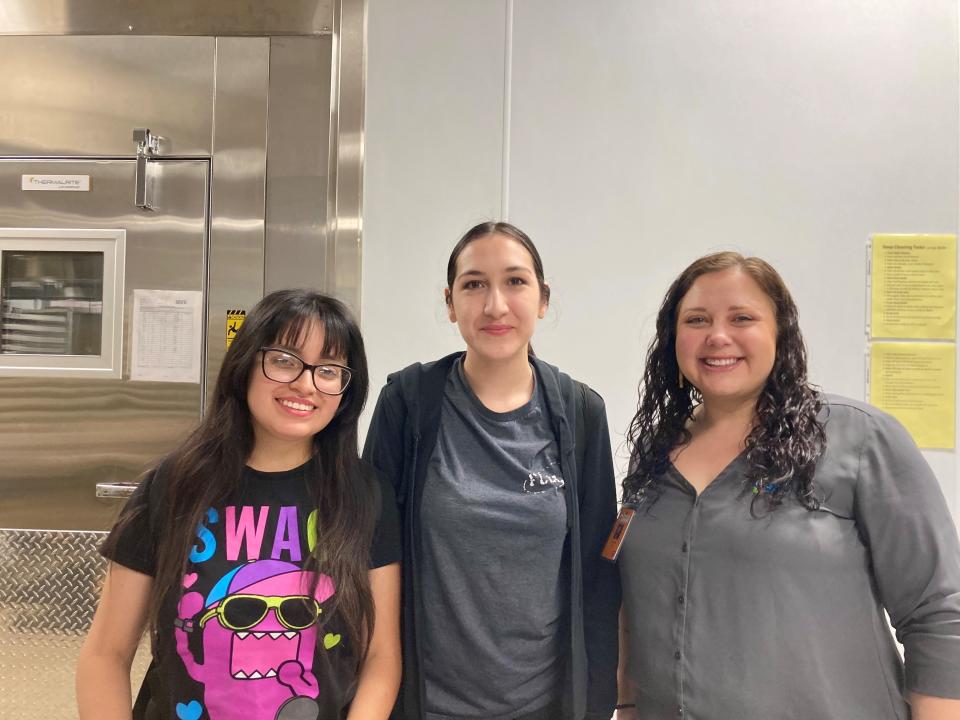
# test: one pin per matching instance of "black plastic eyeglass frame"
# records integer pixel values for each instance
(306, 366)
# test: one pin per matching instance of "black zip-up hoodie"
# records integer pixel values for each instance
(400, 441)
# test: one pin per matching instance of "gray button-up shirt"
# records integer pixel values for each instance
(781, 616)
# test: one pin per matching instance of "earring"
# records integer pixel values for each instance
(680, 379)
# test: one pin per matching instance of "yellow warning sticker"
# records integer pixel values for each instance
(235, 319)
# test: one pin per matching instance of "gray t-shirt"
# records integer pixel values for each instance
(780, 614)
(493, 528)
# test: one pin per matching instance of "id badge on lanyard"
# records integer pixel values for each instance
(618, 533)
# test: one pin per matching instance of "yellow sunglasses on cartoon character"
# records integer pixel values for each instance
(242, 612)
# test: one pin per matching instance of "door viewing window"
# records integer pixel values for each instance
(52, 302)
(61, 301)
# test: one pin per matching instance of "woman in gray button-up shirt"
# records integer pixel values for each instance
(774, 527)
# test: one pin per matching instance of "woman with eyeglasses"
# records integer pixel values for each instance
(776, 528)
(503, 468)
(262, 552)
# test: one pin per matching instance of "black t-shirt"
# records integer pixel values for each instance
(244, 637)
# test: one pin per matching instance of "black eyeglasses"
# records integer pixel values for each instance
(283, 366)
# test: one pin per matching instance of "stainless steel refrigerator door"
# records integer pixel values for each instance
(60, 436)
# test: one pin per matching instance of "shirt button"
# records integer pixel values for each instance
(679, 710)
(676, 655)
(680, 599)
(683, 548)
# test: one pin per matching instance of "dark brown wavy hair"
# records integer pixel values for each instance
(208, 466)
(786, 440)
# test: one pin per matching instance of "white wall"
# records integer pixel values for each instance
(433, 146)
(640, 135)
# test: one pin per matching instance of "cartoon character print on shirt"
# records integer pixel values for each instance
(257, 625)
(259, 633)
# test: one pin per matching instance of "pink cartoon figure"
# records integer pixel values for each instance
(259, 631)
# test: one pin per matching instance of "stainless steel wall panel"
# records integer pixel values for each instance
(174, 17)
(297, 147)
(238, 195)
(345, 188)
(59, 437)
(84, 95)
(49, 582)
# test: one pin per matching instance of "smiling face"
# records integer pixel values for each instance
(495, 298)
(726, 336)
(288, 415)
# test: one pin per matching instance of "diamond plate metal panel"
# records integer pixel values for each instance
(49, 584)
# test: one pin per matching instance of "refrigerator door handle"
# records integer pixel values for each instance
(147, 146)
(116, 490)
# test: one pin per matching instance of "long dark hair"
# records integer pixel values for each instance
(209, 464)
(486, 229)
(786, 440)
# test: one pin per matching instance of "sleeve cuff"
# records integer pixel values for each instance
(932, 669)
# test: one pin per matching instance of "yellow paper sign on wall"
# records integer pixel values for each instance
(914, 287)
(916, 383)
(235, 319)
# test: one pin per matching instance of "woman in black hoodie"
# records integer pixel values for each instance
(503, 471)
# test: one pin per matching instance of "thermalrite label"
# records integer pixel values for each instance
(61, 183)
